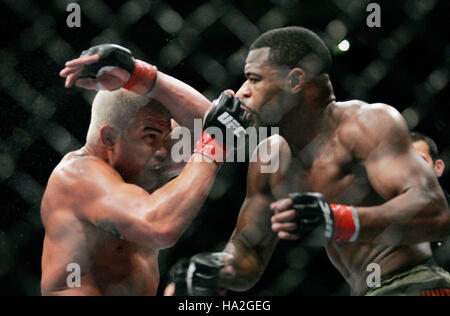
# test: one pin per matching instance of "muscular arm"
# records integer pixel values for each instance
(130, 213)
(253, 242)
(416, 210)
(183, 102)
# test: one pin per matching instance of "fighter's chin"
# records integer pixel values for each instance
(271, 116)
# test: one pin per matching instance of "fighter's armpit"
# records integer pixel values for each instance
(109, 227)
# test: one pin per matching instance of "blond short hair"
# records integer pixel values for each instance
(115, 108)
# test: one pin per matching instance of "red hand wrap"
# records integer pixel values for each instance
(142, 79)
(209, 147)
(346, 226)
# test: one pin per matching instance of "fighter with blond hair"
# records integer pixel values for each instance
(107, 207)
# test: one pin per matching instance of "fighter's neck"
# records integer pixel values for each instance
(312, 116)
(95, 150)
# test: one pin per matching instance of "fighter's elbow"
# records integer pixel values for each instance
(248, 278)
(152, 235)
(243, 284)
(249, 282)
(441, 227)
(170, 240)
(166, 236)
(445, 222)
(440, 217)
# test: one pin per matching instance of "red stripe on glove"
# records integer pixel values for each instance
(344, 223)
(142, 79)
(209, 147)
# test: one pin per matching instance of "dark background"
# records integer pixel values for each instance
(204, 43)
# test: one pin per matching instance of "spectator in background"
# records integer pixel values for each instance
(428, 150)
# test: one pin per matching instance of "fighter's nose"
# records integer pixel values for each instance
(244, 92)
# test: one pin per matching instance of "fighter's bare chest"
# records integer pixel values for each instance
(324, 166)
(124, 268)
(108, 249)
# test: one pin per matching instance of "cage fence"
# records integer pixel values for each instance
(403, 63)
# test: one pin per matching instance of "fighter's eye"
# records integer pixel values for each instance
(150, 137)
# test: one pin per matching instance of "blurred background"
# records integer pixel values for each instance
(404, 63)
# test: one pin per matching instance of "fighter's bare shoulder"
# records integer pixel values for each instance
(273, 148)
(80, 166)
(272, 154)
(75, 176)
(363, 126)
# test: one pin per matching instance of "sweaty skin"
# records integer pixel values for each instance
(96, 213)
(110, 264)
(353, 153)
(109, 207)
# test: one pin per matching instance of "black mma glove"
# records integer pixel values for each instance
(198, 276)
(320, 223)
(231, 119)
(177, 275)
(142, 75)
(202, 277)
(111, 56)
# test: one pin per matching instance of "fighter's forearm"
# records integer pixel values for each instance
(183, 102)
(176, 204)
(412, 217)
(247, 267)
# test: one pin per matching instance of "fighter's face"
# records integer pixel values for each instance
(262, 91)
(143, 152)
(424, 152)
(422, 148)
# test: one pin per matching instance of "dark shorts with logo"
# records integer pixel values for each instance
(423, 280)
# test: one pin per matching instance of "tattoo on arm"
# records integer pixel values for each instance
(109, 227)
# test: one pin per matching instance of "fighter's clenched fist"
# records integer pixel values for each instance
(307, 217)
(201, 275)
(109, 67)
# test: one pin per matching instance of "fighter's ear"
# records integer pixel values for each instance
(439, 167)
(108, 135)
(296, 80)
